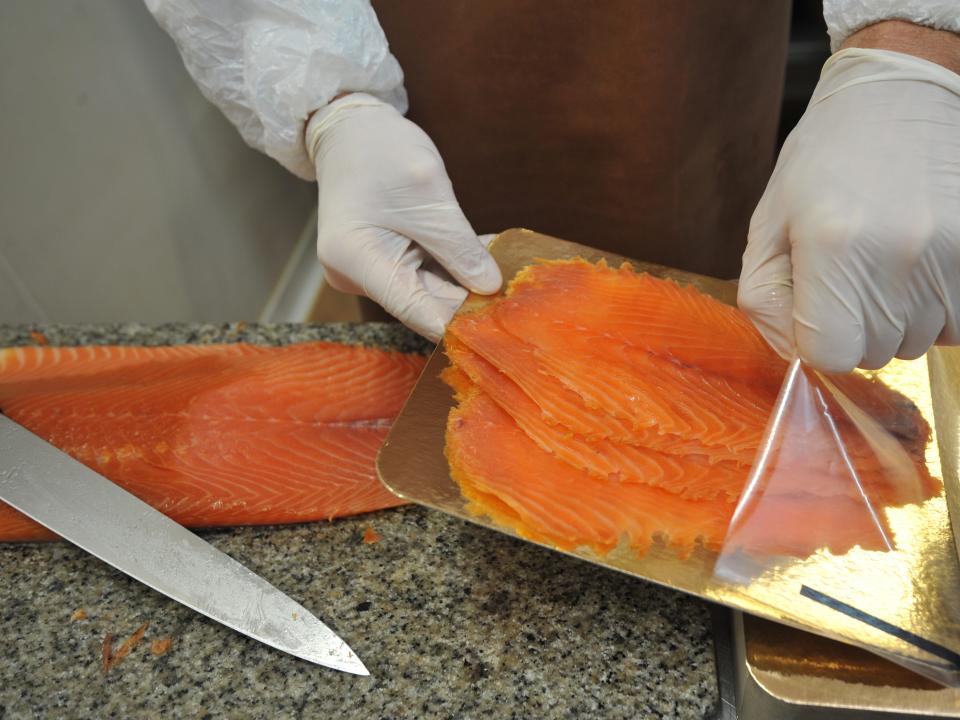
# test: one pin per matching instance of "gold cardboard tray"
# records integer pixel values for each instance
(412, 465)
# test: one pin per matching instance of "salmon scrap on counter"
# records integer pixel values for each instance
(598, 406)
(110, 658)
(215, 435)
(371, 536)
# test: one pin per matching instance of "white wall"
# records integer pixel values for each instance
(124, 194)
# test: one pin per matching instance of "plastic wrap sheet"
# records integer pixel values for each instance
(835, 527)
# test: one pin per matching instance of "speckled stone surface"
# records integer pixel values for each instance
(391, 336)
(451, 619)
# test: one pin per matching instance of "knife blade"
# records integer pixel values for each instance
(102, 518)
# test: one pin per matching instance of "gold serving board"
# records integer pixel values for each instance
(412, 465)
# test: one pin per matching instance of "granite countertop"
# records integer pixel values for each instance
(452, 620)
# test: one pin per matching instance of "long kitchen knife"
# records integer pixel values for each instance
(90, 511)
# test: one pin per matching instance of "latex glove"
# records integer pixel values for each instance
(854, 250)
(389, 226)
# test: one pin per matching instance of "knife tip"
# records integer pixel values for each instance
(353, 664)
(360, 669)
(341, 658)
(349, 664)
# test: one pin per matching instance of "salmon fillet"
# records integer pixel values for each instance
(215, 435)
(598, 406)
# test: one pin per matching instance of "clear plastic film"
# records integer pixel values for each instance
(837, 526)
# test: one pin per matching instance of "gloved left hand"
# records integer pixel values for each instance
(388, 224)
(853, 254)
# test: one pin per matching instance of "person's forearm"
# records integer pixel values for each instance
(269, 65)
(939, 46)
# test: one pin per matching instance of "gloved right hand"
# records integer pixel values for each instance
(853, 251)
(389, 226)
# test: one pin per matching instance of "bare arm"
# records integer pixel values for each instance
(939, 46)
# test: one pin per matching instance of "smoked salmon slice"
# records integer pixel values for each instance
(687, 473)
(598, 406)
(559, 404)
(643, 311)
(215, 435)
(554, 501)
(547, 500)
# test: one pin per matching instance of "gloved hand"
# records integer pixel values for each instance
(389, 226)
(854, 250)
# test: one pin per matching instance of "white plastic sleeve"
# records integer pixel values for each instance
(845, 17)
(268, 64)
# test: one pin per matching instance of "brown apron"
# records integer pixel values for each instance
(645, 128)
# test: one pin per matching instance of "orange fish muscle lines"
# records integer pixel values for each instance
(597, 404)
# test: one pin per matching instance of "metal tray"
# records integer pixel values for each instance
(768, 670)
(412, 465)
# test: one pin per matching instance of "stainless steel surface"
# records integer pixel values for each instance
(724, 655)
(812, 678)
(90, 511)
